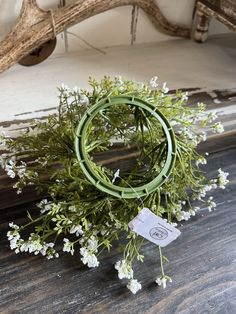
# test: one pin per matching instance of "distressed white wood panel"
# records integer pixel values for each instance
(182, 63)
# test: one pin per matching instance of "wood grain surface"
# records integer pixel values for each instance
(202, 265)
(202, 260)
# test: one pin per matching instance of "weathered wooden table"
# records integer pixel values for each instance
(202, 260)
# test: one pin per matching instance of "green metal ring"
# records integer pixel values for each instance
(100, 183)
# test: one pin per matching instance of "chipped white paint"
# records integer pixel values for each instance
(182, 63)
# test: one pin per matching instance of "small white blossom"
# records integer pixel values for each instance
(210, 204)
(182, 215)
(14, 226)
(185, 96)
(13, 235)
(222, 178)
(68, 246)
(64, 87)
(161, 281)
(153, 82)
(204, 189)
(192, 212)
(124, 269)
(21, 170)
(44, 206)
(165, 89)
(201, 137)
(186, 133)
(83, 100)
(45, 247)
(10, 168)
(201, 160)
(217, 128)
(77, 229)
(174, 122)
(212, 116)
(134, 286)
(92, 244)
(18, 187)
(88, 258)
(119, 83)
(116, 175)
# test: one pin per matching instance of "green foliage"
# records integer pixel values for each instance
(73, 201)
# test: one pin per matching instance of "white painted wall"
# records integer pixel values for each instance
(111, 28)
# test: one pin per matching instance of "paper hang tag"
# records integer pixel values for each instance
(153, 228)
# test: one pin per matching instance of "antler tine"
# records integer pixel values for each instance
(36, 26)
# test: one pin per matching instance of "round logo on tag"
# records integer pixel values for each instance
(158, 233)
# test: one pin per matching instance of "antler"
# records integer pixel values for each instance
(36, 26)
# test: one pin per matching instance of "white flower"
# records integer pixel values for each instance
(165, 89)
(212, 116)
(161, 281)
(182, 215)
(35, 243)
(92, 244)
(201, 160)
(186, 133)
(119, 81)
(68, 246)
(14, 243)
(134, 286)
(174, 122)
(201, 137)
(222, 178)
(204, 189)
(77, 229)
(63, 87)
(44, 205)
(124, 269)
(210, 204)
(89, 258)
(185, 96)
(116, 175)
(13, 236)
(21, 170)
(10, 168)
(83, 100)
(153, 82)
(217, 128)
(17, 186)
(14, 226)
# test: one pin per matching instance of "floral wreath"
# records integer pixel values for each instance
(81, 213)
